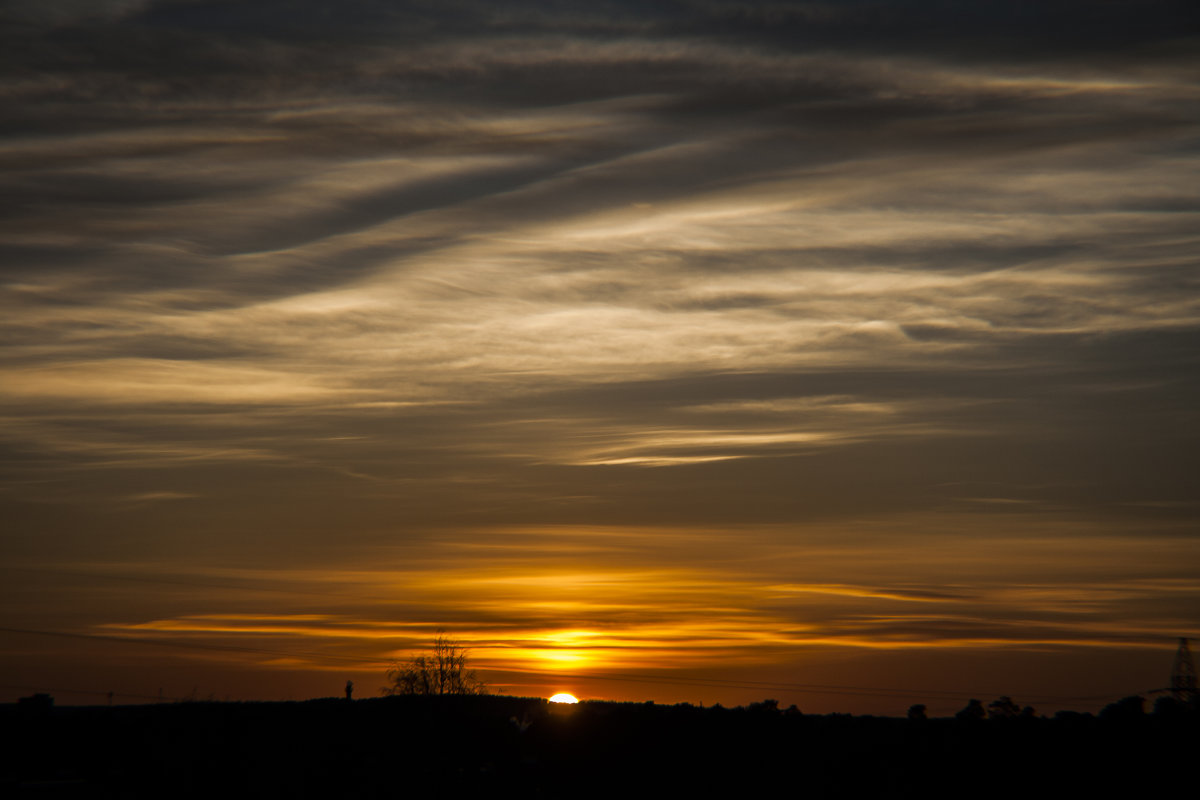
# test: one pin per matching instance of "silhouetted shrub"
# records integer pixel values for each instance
(1127, 708)
(1003, 708)
(765, 707)
(1168, 706)
(973, 712)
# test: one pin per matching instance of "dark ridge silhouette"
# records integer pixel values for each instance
(463, 745)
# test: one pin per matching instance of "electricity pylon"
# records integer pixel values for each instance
(1183, 674)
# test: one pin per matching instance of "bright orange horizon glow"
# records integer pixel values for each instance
(633, 615)
(563, 697)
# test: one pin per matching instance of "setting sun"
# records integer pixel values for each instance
(563, 697)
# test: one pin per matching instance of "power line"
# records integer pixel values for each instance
(811, 688)
(179, 582)
(864, 691)
(189, 645)
(710, 683)
(60, 690)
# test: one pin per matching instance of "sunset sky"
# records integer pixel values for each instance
(843, 353)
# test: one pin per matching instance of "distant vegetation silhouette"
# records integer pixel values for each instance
(455, 745)
(442, 671)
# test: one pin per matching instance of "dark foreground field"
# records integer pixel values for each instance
(494, 746)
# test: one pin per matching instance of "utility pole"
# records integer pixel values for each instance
(1183, 674)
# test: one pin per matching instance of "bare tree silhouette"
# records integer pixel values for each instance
(443, 671)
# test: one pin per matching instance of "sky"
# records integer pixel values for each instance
(842, 353)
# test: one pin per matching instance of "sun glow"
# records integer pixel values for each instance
(563, 697)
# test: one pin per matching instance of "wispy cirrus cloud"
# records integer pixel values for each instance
(602, 599)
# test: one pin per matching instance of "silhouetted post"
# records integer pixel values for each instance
(349, 689)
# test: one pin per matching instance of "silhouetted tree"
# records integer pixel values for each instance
(1125, 709)
(1003, 708)
(916, 712)
(1167, 706)
(973, 712)
(768, 706)
(443, 671)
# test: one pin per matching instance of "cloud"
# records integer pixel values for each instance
(66, 12)
(522, 600)
(151, 497)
